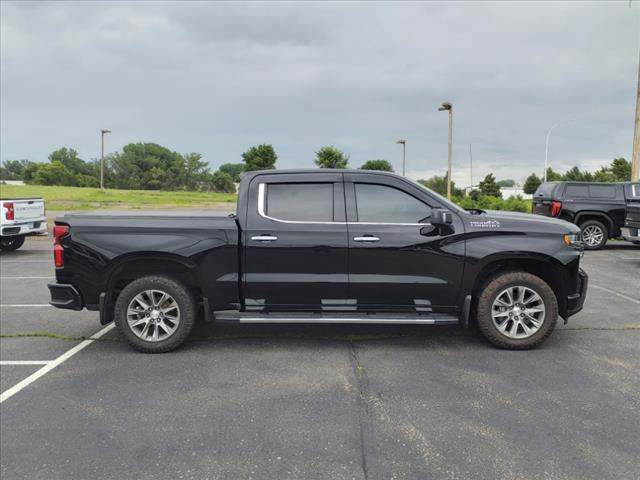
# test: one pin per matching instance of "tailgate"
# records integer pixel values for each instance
(28, 209)
(541, 207)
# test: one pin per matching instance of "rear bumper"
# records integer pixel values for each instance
(37, 226)
(575, 302)
(64, 295)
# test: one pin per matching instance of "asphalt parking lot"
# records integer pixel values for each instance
(318, 401)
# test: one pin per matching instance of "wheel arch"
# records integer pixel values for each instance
(544, 266)
(130, 267)
(584, 216)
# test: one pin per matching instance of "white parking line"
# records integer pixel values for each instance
(21, 278)
(25, 261)
(621, 295)
(17, 305)
(53, 364)
(24, 362)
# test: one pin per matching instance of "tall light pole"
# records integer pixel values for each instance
(404, 151)
(447, 106)
(546, 148)
(635, 156)
(103, 131)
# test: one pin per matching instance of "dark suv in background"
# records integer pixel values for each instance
(599, 209)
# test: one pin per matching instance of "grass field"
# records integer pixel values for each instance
(75, 198)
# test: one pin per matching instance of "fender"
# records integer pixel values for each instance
(607, 219)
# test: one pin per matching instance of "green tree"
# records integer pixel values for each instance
(147, 166)
(621, 169)
(506, 183)
(439, 185)
(574, 174)
(70, 159)
(489, 187)
(531, 184)
(553, 176)
(331, 157)
(233, 169)
(54, 173)
(195, 170)
(260, 157)
(604, 175)
(222, 182)
(383, 165)
(13, 169)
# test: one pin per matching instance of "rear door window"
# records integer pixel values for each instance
(300, 201)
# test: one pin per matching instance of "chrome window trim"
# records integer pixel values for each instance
(261, 212)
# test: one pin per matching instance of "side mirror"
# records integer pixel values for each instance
(440, 223)
(441, 217)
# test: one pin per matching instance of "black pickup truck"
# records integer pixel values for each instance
(323, 246)
(599, 209)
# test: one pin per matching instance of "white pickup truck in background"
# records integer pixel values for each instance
(20, 217)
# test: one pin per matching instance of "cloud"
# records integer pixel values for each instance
(218, 77)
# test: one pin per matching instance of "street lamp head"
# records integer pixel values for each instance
(402, 142)
(445, 106)
(103, 131)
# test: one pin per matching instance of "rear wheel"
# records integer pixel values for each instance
(9, 244)
(517, 311)
(594, 234)
(155, 314)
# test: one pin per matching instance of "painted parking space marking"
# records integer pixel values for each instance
(53, 364)
(24, 278)
(25, 261)
(621, 295)
(22, 305)
(24, 362)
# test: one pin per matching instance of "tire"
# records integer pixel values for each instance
(9, 244)
(155, 329)
(594, 234)
(504, 335)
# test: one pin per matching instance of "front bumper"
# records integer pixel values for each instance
(575, 301)
(630, 234)
(64, 295)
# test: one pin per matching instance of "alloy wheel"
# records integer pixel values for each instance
(153, 315)
(518, 312)
(592, 235)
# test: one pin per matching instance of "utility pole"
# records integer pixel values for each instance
(447, 106)
(470, 168)
(635, 156)
(404, 148)
(103, 131)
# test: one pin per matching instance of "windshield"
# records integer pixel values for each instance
(447, 203)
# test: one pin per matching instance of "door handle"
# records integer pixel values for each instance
(264, 238)
(366, 238)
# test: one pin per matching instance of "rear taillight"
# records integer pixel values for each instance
(59, 231)
(10, 213)
(555, 208)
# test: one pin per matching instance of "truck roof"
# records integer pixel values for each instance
(316, 170)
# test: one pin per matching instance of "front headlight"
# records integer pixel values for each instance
(573, 240)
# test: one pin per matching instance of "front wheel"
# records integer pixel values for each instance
(517, 311)
(155, 314)
(9, 244)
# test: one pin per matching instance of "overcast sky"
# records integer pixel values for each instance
(216, 78)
